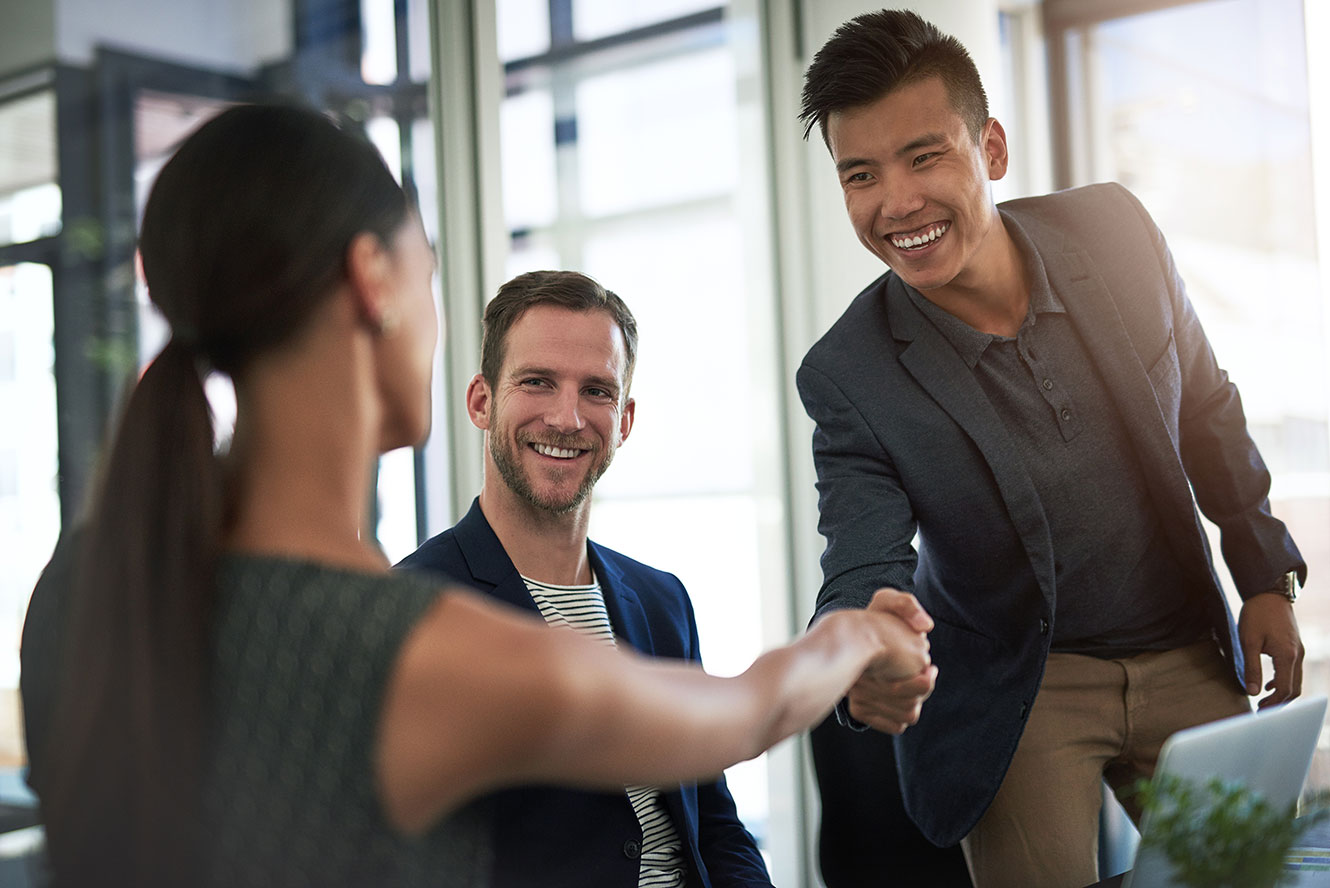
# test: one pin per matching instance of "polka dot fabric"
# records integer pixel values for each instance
(302, 655)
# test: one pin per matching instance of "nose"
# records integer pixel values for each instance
(563, 413)
(900, 199)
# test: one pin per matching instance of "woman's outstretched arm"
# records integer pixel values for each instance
(483, 697)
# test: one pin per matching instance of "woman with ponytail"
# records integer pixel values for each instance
(224, 684)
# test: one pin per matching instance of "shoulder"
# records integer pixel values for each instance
(440, 553)
(1072, 202)
(639, 575)
(863, 323)
(1105, 216)
(316, 592)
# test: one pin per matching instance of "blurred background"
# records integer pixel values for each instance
(654, 146)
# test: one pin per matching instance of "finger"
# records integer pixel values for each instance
(920, 683)
(1282, 680)
(1295, 689)
(875, 719)
(1251, 653)
(903, 605)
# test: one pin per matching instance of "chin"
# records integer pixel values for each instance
(413, 436)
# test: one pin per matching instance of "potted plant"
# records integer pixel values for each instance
(1223, 835)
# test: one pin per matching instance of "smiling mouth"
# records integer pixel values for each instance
(927, 237)
(555, 452)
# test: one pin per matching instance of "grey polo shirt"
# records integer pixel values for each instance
(1119, 589)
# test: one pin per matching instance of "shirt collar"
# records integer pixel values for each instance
(970, 343)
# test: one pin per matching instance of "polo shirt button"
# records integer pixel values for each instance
(1043, 627)
(1048, 385)
(1066, 414)
(632, 849)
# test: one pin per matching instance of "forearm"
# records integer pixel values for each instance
(643, 720)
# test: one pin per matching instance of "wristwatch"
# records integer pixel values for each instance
(1288, 586)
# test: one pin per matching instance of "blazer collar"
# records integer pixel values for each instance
(489, 564)
(488, 561)
(943, 373)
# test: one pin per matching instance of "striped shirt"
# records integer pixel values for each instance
(582, 608)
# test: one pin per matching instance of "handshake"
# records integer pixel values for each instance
(890, 692)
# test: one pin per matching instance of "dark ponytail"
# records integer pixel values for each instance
(130, 723)
(245, 233)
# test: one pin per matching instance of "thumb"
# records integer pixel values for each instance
(1251, 655)
(903, 605)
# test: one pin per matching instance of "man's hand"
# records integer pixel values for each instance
(881, 699)
(1266, 626)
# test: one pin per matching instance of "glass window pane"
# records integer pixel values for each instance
(426, 176)
(29, 496)
(658, 133)
(524, 28)
(397, 504)
(530, 254)
(417, 40)
(526, 132)
(600, 18)
(387, 137)
(29, 196)
(378, 30)
(693, 367)
(30, 214)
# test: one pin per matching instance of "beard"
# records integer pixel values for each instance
(504, 454)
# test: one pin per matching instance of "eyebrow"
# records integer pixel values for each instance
(927, 140)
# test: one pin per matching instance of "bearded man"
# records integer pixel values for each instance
(552, 398)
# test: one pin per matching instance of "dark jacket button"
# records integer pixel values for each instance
(1043, 627)
(1025, 707)
(632, 849)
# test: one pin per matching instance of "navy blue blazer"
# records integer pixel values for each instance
(547, 837)
(906, 441)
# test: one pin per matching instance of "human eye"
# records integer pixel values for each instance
(533, 382)
(597, 391)
(923, 158)
(857, 178)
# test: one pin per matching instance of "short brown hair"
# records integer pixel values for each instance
(878, 52)
(565, 289)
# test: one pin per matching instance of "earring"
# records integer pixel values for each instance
(387, 322)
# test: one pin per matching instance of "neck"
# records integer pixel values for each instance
(302, 459)
(994, 296)
(543, 545)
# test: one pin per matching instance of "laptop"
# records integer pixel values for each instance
(1269, 751)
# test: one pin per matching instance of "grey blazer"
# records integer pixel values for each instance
(906, 440)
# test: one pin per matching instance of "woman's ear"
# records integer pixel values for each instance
(369, 270)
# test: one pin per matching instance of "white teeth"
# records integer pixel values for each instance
(558, 452)
(907, 243)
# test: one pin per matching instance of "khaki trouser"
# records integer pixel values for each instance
(1093, 720)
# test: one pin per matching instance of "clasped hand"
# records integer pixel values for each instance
(883, 698)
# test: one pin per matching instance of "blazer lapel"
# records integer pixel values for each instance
(624, 607)
(937, 367)
(487, 561)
